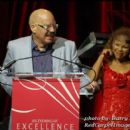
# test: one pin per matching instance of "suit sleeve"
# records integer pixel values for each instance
(5, 79)
(84, 79)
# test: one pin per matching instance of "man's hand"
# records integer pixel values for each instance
(93, 87)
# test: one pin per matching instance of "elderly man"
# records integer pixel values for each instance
(43, 46)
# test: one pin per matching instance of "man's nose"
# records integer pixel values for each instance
(52, 29)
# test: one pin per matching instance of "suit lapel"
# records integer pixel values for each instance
(25, 65)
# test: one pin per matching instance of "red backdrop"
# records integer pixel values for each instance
(76, 19)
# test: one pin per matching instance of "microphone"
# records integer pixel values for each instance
(14, 61)
(78, 64)
(7, 66)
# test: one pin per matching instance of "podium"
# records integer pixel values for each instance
(45, 101)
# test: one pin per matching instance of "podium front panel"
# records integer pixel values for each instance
(45, 104)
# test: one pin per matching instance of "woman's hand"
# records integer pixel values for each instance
(106, 53)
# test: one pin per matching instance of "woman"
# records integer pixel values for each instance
(113, 68)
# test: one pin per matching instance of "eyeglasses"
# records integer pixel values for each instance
(48, 26)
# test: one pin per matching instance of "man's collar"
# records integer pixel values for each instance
(45, 49)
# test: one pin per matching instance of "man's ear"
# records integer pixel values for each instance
(33, 28)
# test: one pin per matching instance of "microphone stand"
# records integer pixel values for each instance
(78, 64)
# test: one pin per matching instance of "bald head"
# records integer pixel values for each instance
(40, 14)
(43, 26)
